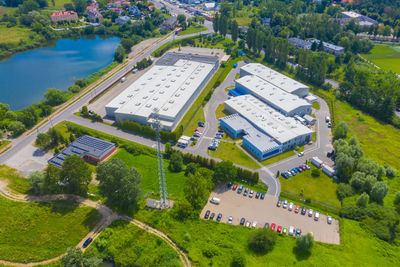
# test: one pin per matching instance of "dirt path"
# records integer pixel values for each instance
(108, 216)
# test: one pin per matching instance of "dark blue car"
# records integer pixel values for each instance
(87, 242)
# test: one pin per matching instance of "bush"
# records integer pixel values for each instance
(397, 198)
(305, 243)
(238, 260)
(316, 172)
(262, 240)
(343, 191)
(390, 171)
(176, 162)
(17, 128)
(363, 200)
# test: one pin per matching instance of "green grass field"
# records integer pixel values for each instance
(243, 21)
(4, 143)
(386, 57)
(128, 245)
(16, 181)
(193, 124)
(279, 157)
(199, 237)
(194, 28)
(13, 34)
(229, 151)
(315, 105)
(6, 10)
(321, 189)
(147, 167)
(59, 4)
(40, 231)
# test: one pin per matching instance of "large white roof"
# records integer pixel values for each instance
(265, 118)
(166, 88)
(269, 93)
(276, 78)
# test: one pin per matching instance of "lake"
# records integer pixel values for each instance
(26, 76)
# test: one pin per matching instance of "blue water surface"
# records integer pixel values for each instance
(26, 76)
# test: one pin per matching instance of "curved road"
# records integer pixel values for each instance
(108, 216)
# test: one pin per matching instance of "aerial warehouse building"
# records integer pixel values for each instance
(171, 86)
(286, 131)
(286, 103)
(275, 78)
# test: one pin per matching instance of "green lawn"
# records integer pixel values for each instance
(229, 151)
(13, 34)
(40, 231)
(221, 112)
(199, 238)
(128, 245)
(194, 28)
(193, 124)
(243, 21)
(4, 143)
(315, 105)
(147, 167)
(279, 157)
(321, 189)
(59, 4)
(16, 181)
(386, 57)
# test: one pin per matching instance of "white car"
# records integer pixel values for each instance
(292, 230)
(254, 224)
(300, 154)
(251, 193)
(230, 219)
(248, 223)
(285, 204)
(310, 212)
(290, 208)
(316, 216)
(329, 219)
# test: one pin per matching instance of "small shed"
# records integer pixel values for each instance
(311, 99)
(225, 58)
(309, 120)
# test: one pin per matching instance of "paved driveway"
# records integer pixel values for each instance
(262, 211)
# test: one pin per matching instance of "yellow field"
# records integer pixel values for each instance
(13, 34)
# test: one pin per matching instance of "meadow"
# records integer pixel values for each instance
(386, 57)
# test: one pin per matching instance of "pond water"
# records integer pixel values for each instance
(26, 76)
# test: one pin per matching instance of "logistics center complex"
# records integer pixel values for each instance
(263, 111)
(168, 88)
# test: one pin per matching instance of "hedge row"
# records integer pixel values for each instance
(148, 132)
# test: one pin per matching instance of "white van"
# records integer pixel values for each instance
(215, 200)
(291, 230)
(123, 79)
(327, 119)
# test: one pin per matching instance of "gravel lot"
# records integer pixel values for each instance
(262, 211)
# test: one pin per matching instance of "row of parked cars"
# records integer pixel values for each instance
(211, 216)
(246, 191)
(214, 145)
(291, 230)
(302, 210)
(294, 171)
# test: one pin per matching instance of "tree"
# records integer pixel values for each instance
(397, 198)
(17, 128)
(75, 176)
(225, 171)
(340, 130)
(234, 30)
(79, 5)
(182, 209)
(119, 183)
(305, 243)
(197, 187)
(242, 44)
(76, 258)
(181, 19)
(37, 182)
(176, 162)
(262, 240)
(119, 54)
(56, 137)
(379, 191)
(344, 166)
(216, 23)
(343, 191)
(390, 171)
(357, 180)
(191, 168)
(28, 6)
(68, 6)
(43, 140)
(238, 260)
(168, 150)
(54, 97)
(362, 200)
(52, 179)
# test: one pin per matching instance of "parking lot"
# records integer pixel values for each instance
(262, 211)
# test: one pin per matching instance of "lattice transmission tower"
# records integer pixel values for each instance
(156, 124)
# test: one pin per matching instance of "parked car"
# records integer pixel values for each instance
(262, 195)
(251, 193)
(284, 175)
(254, 224)
(303, 210)
(290, 207)
(316, 216)
(279, 203)
(248, 223)
(297, 209)
(266, 225)
(201, 124)
(239, 191)
(87, 242)
(215, 200)
(299, 169)
(258, 195)
(218, 137)
(292, 230)
(207, 214)
(300, 154)
(329, 219)
(212, 216)
(246, 190)
(230, 219)
(329, 125)
(284, 230)
(219, 217)
(310, 213)
(285, 203)
(298, 232)
(279, 230)
(242, 221)
(229, 185)
(273, 225)
(234, 187)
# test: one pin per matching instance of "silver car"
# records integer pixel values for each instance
(285, 204)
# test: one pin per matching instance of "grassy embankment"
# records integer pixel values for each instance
(386, 57)
(194, 28)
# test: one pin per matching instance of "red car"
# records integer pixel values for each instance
(273, 226)
(279, 230)
(297, 209)
(303, 167)
(234, 187)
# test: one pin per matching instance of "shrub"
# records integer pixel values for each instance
(262, 240)
(390, 171)
(176, 162)
(343, 191)
(238, 260)
(305, 243)
(363, 200)
(316, 172)
(397, 198)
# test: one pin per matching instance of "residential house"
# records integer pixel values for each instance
(64, 16)
(122, 20)
(170, 23)
(300, 43)
(134, 11)
(95, 16)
